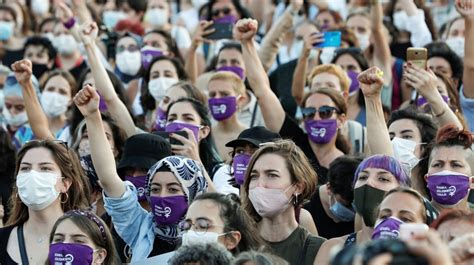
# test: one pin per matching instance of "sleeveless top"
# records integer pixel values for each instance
(5, 258)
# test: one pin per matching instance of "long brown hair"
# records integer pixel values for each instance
(341, 142)
(68, 162)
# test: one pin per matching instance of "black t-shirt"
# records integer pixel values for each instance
(280, 82)
(12, 56)
(291, 130)
(5, 259)
(399, 50)
(78, 70)
(326, 226)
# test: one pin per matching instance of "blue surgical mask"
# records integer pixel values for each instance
(341, 212)
(6, 30)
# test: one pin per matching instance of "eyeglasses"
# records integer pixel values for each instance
(217, 12)
(131, 48)
(201, 225)
(325, 112)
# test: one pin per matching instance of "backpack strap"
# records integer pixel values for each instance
(21, 245)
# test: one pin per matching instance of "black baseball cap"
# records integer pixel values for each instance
(255, 136)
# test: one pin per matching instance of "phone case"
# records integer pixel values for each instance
(222, 31)
(331, 39)
(418, 56)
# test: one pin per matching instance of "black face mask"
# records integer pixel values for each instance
(39, 70)
(366, 200)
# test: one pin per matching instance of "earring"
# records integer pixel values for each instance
(296, 199)
(67, 198)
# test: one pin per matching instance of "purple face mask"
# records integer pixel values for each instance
(239, 164)
(160, 121)
(387, 228)
(354, 82)
(226, 19)
(321, 131)
(222, 108)
(177, 126)
(140, 183)
(70, 254)
(234, 69)
(422, 101)
(447, 187)
(148, 54)
(168, 210)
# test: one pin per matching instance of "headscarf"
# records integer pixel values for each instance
(190, 176)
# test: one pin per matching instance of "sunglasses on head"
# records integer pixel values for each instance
(325, 112)
(217, 12)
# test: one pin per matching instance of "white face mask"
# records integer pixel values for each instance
(364, 40)
(2, 99)
(129, 62)
(49, 36)
(159, 86)
(84, 148)
(54, 104)
(400, 19)
(198, 3)
(37, 190)
(457, 45)
(296, 48)
(40, 7)
(111, 18)
(157, 17)
(404, 151)
(327, 54)
(65, 44)
(192, 237)
(16, 120)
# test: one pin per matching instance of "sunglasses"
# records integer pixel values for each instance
(325, 112)
(217, 12)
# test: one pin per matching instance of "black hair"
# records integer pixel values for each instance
(170, 42)
(44, 42)
(227, 46)
(427, 129)
(45, 21)
(441, 49)
(244, 12)
(235, 218)
(207, 148)
(208, 253)
(137, 5)
(7, 170)
(146, 99)
(340, 175)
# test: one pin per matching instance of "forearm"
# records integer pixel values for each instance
(190, 65)
(36, 117)
(103, 157)
(377, 132)
(272, 111)
(382, 57)
(443, 113)
(299, 78)
(82, 12)
(420, 34)
(468, 75)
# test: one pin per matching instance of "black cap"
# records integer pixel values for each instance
(255, 135)
(143, 151)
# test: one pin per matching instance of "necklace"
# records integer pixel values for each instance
(40, 239)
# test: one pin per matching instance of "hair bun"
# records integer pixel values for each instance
(451, 135)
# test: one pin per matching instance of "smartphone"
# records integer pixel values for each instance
(418, 57)
(172, 140)
(331, 39)
(410, 230)
(222, 31)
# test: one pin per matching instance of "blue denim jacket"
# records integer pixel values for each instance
(133, 223)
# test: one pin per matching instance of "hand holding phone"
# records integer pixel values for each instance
(418, 57)
(172, 140)
(331, 39)
(222, 30)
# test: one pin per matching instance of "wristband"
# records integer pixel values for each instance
(70, 23)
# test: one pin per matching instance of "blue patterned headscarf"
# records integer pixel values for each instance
(190, 176)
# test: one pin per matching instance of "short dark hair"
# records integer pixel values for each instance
(243, 12)
(137, 5)
(340, 174)
(211, 253)
(441, 49)
(44, 42)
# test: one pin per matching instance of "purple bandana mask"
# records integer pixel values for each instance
(177, 126)
(140, 183)
(226, 19)
(70, 254)
(387, 228)
(222, 108)
(422, 101)
(168, 210)
(240, 164)
(160, 121)
(321, 131)
(354, 82)
(148, 54)
(447, 187)
(234, 69)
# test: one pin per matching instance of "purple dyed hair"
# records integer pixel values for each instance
(388, 163)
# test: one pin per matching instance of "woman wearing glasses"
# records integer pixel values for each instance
(49, 182)
(324, 111)
(172, 184)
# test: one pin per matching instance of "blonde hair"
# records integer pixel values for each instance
(236, 82)
(331, 69)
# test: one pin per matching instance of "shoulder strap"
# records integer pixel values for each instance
(21, 244)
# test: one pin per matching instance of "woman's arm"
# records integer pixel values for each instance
(191, 63)
(36, 117)
(272, 111)
(424, 81)
(382, 56)
(87, 101)
(115, 106)
(378, 138)
(420, 34)
(465, 8)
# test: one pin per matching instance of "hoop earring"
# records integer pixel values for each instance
(67, 198)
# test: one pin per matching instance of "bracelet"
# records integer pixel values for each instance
(441, 114)
(70, 23)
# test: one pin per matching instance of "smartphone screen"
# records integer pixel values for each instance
(331, 39)
(222, 31)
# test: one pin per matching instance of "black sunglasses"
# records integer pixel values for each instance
(225, 11)
(325, 112)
